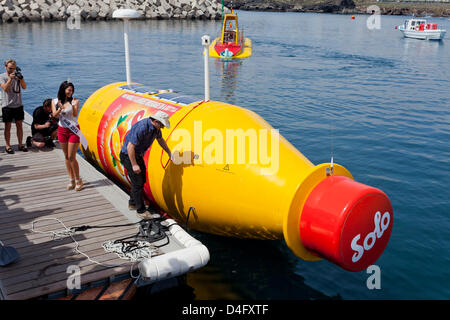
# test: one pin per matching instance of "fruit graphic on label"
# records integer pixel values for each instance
(115, 143)
(138, 117)
(122, 128)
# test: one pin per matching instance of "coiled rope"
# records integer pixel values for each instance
(132, 251)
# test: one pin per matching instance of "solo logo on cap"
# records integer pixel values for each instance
(381, 224)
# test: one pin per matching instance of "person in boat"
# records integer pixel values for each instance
(44, 128)
(66, 107)
(12, 83)
(140, 137)
(230, 33)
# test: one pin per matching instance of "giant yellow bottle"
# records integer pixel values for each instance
(234, 175)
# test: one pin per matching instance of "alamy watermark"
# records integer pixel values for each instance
(74, 19)
(227, 147)
(74, 279)
(374, 280)
(374, 21)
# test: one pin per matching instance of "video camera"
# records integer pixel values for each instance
(53, 123)
(18, 73)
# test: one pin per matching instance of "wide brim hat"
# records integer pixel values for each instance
(162, 117)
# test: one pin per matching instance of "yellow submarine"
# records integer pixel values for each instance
(234, 175)
(231, 44)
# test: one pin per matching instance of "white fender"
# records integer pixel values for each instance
(176, 263)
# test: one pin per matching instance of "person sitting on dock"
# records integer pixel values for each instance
(137, 141)
(44, 128)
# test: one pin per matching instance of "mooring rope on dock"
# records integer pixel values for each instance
(68, 232)
(134, 251)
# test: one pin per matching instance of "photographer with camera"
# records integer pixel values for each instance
(44, 127)
(12, 83)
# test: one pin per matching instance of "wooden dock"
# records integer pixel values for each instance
(33, 186)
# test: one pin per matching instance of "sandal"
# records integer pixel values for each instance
(71, 184)
(79, 185)
(23, 148)
(9, 150)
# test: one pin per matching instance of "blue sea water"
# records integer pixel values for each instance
(378, 103)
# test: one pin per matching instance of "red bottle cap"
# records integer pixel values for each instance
(346, 222)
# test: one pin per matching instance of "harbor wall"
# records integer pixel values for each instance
(51, 10)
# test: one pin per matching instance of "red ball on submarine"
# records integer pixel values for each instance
(235, 175)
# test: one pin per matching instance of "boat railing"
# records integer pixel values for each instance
(241, 36)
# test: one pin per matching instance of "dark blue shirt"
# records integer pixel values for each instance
(142, 134)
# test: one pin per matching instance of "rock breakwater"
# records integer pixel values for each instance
(47, 10)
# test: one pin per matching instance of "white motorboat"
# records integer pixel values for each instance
(420, 29)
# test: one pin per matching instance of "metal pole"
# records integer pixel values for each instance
(125, 15)
(127, 50)
(206, 40)
(206, 73)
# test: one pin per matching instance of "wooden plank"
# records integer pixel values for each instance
(19, 213)
(61, 285)
(64, 217)
(36, 279)
(130, 292)
(41, 161)
(24, 158)
(22, 184)
(37, 238)
(25, 178)
(56, 205)
(56, 209)
(36, 202)
(58, 267)
(59, 272)
(66, 213)
(90, 294)
(43, 244)
(50, 246)
(3, 295)
(33, 186)
(29, 205)
(35, 172)
(29, 219)
(16, 219)
(55, 183)
(39, 186)
(116, 289)
(37, 260)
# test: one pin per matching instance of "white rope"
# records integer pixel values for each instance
(144, 250)
(66, 232)
(56, 235)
